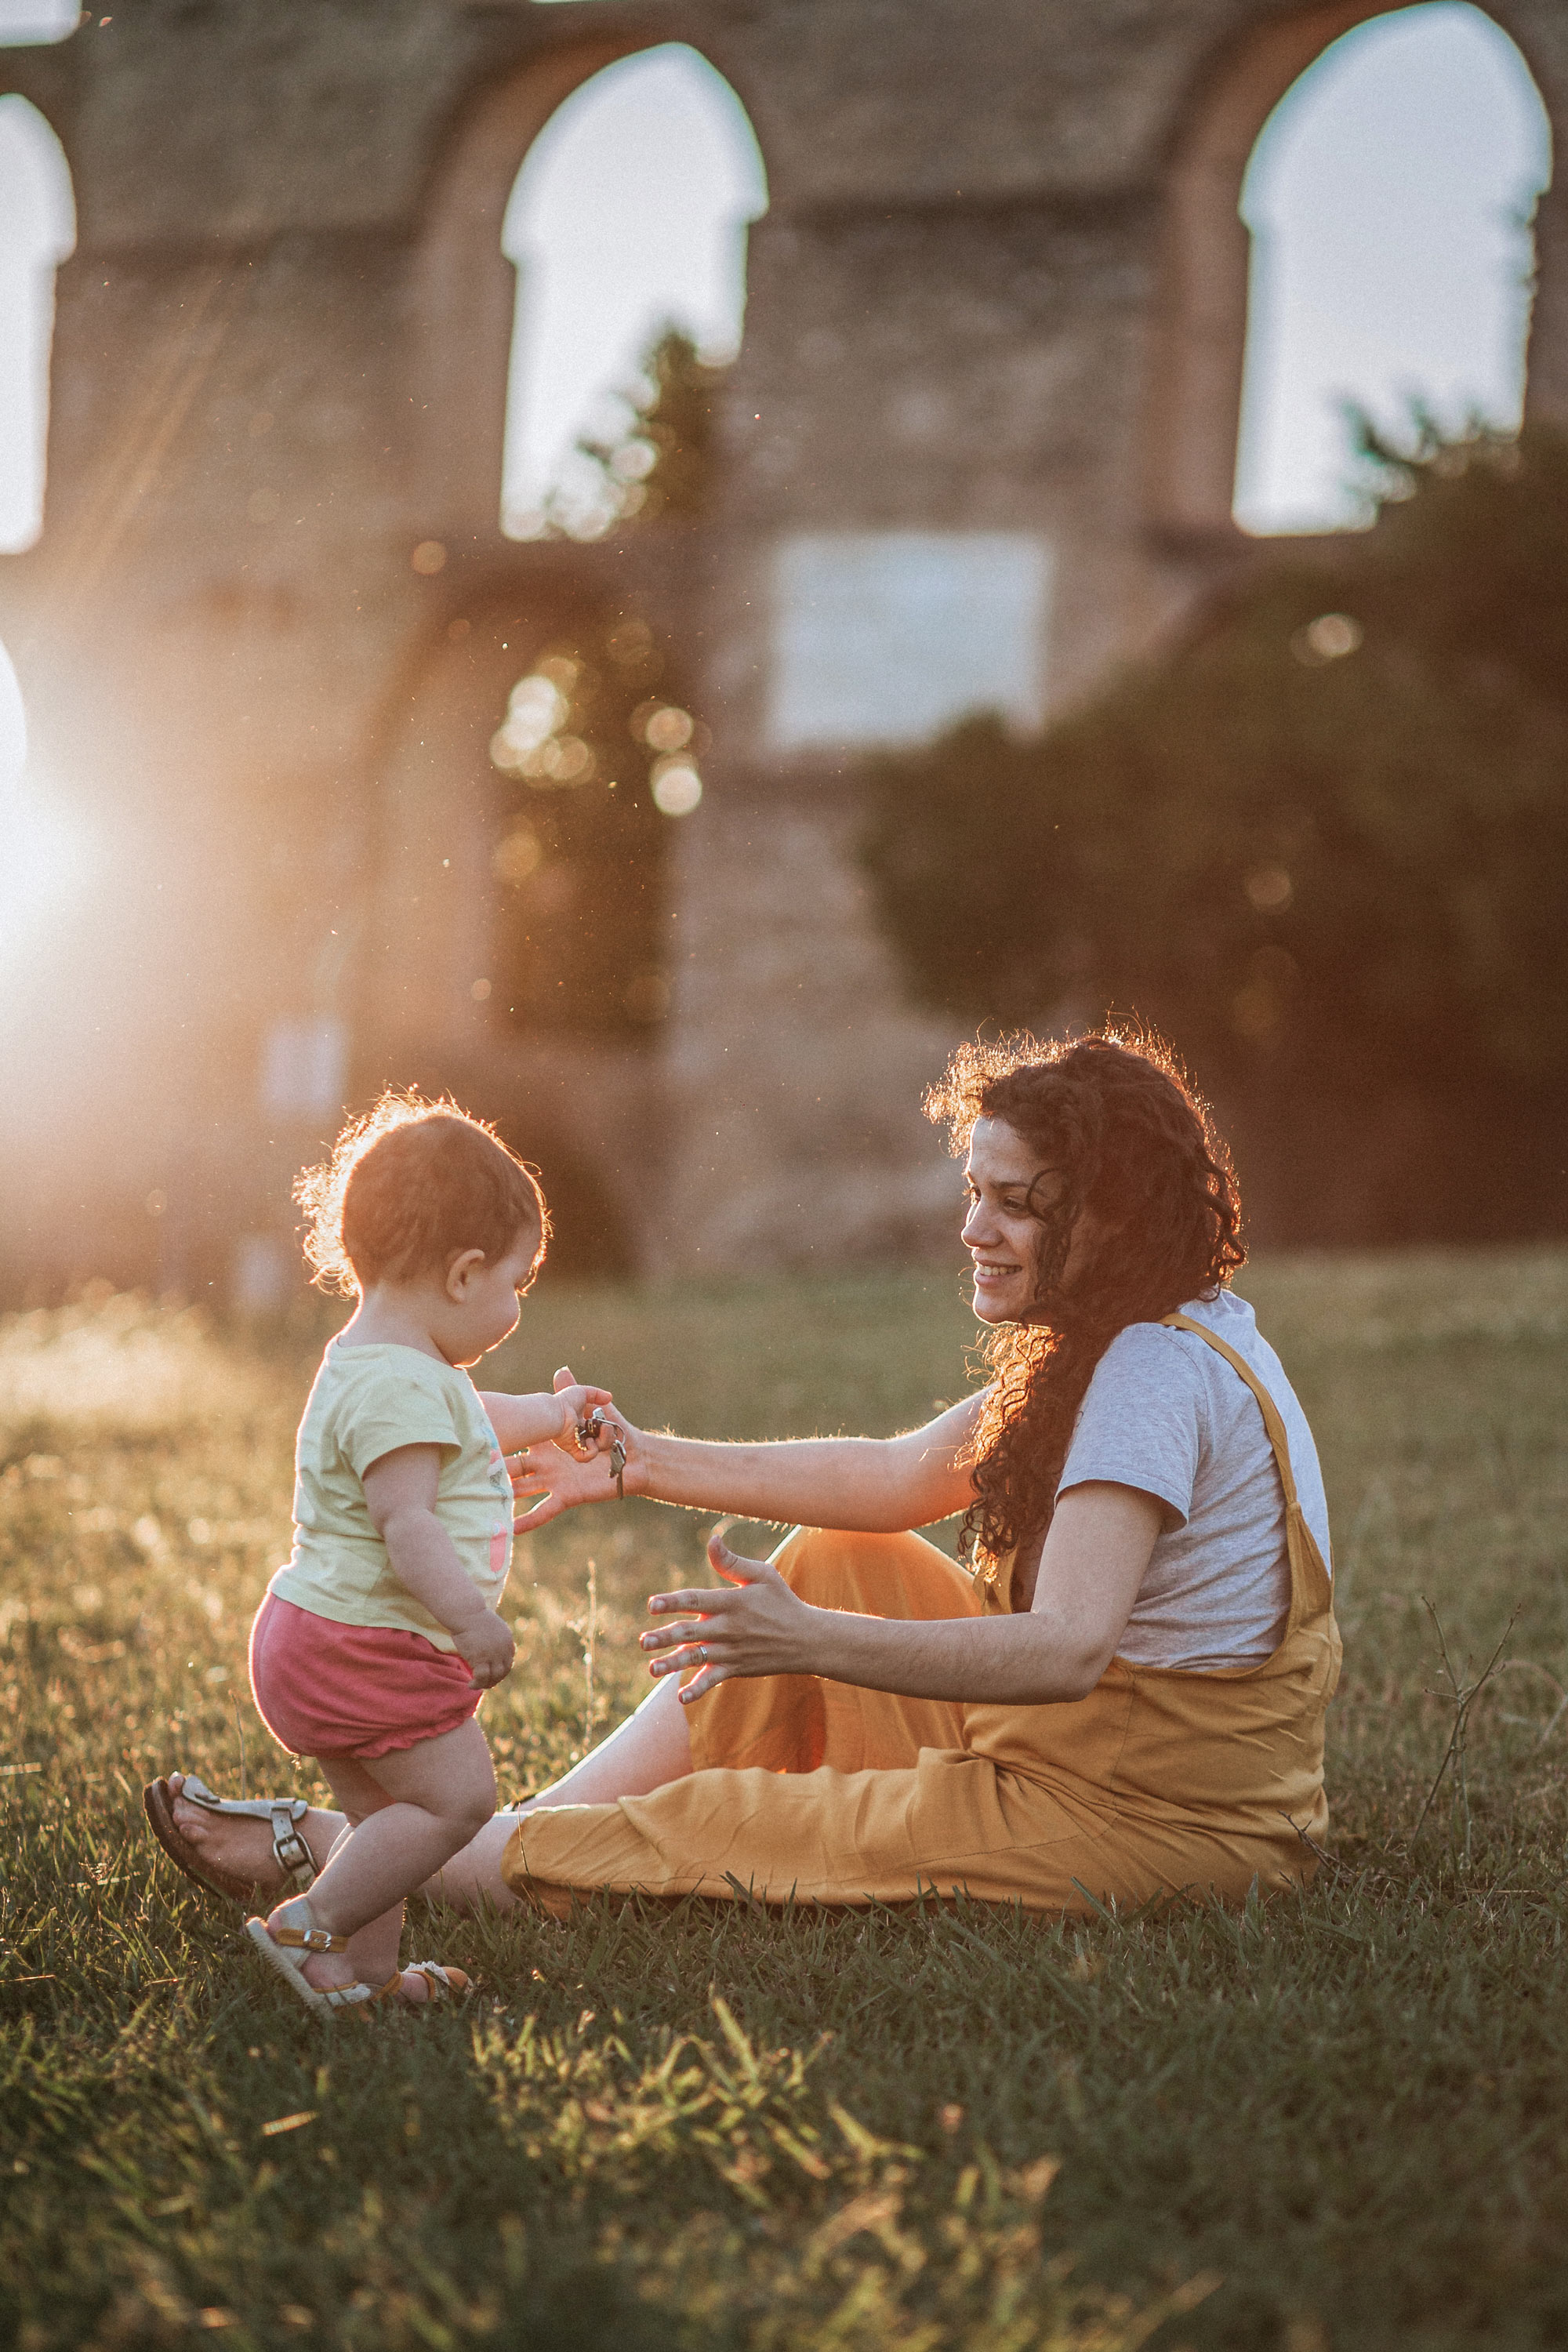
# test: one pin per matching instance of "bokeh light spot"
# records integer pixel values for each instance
(518, 854)
(1329, 638)
(1269, 888)
(670, 729)
(677, 787)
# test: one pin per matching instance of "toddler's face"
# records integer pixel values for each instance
(485, 1309)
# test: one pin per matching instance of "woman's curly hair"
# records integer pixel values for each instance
(1116, 1120)
(410, 1186)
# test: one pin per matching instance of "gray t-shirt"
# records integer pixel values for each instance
(1167, 1414)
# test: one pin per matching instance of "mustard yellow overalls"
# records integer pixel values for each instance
(1159, 1782)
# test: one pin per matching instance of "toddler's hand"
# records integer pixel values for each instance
(579, 1402)
(488, 1649)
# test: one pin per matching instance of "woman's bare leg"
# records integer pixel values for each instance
(652, 1747)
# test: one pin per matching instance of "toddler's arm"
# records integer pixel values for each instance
(536, 1419)
(400, 1495)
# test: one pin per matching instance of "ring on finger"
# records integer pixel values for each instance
(702, 1652)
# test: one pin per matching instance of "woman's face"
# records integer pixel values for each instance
(1003, 1230)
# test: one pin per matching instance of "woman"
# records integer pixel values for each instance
(1125, 1701)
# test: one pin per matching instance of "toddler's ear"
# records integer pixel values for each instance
(463, 1267)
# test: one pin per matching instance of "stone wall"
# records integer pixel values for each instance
(995, 291)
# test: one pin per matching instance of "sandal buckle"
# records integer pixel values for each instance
(291, 1853)
(317, 1939)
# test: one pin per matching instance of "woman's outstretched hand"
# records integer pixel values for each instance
(759, 1627)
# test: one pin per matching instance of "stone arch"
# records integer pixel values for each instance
(447, 928)
(38, 208)
(1197, 339)
(465, 289)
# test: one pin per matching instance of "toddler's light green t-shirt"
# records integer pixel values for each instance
(365, 1402)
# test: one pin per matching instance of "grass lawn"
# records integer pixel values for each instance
(1338, 2120)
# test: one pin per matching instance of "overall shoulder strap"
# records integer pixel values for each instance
(1272, 1422)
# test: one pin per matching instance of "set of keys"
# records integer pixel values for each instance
(588, 1439)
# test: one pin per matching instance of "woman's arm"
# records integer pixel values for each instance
(1092, 1565)
(876, 1484)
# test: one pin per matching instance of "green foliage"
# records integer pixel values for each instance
(957, 2130)
(662, 463)
(1322, 841)
(581, 756)
(581, 849)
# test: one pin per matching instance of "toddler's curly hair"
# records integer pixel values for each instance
(410, 1186)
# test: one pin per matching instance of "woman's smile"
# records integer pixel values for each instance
(994, 1271)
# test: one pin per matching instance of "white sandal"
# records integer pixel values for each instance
(286, 1950)
(446, 1984)
(291, 1852)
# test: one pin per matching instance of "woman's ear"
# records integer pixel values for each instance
(461, 1272)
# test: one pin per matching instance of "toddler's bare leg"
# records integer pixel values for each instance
(372, 1949)
(652, 1747)
(411, 1811)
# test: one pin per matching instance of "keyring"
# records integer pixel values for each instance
(589, 1438)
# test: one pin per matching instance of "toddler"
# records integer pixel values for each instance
(374, 1647)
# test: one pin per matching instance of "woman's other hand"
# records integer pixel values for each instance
(759, 1627)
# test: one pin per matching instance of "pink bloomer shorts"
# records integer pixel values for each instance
(326, 1689)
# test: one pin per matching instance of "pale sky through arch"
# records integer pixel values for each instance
(1389, 195)
(37, 230)
(630, 212)
(28, 23)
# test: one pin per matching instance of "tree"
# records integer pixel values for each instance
(661, 463)
(1322, 841)
(579, 768)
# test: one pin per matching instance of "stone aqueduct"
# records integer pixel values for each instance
(1001, 287)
